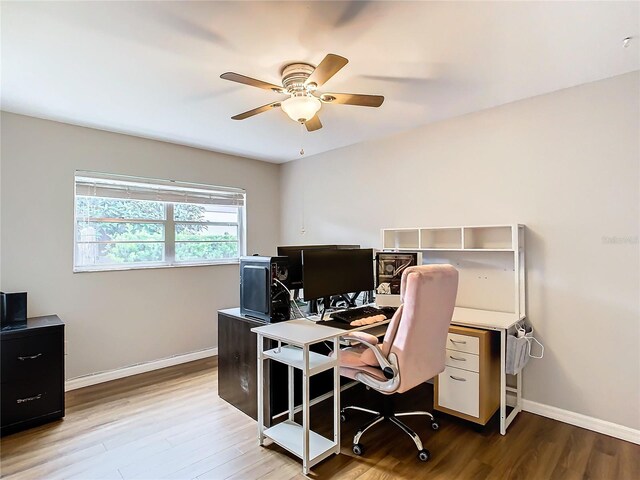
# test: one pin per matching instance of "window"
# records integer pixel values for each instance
(128, 222)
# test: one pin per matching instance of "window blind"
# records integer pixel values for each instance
(94, 184)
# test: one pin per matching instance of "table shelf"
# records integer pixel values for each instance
(288, 435)
(292, 356)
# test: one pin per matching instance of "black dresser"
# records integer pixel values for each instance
(32, 374)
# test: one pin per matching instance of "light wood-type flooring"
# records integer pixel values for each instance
(171, 424)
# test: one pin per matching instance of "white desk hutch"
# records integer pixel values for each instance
(491, 290)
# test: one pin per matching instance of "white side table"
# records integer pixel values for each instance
(294, 338)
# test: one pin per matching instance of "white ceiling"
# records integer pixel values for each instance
(152, 68)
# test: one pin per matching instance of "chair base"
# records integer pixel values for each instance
(423, 454)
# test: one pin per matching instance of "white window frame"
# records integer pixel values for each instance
(169, 242)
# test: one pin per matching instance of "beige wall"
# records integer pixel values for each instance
(115, 319)
(565, 164)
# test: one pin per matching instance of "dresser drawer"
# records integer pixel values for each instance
(35, 356)
(466, 361)
(459, 390)
(28, 400)
(463, 343)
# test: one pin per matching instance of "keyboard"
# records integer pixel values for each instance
(353, 314)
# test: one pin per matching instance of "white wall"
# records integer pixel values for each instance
(565, 164)
(115, 319)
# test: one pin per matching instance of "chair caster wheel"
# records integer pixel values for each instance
(435, 425)
(424, 455)
(358, 449)
(343, 417)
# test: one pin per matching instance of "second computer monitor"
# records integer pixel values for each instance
(294, 253)
(334, 272)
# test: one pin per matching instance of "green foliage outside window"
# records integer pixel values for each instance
(195, 244)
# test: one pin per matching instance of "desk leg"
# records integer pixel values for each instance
(291, 392)
(260, 388)
(503, 382)
(519, 393)
(305, 410)
(336, 395)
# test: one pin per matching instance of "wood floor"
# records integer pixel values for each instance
(171, 424)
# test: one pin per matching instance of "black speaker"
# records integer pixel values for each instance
(262, 293)
(13, 310)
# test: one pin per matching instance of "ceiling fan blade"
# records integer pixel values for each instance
(236, 77)
(313, 124)
(328, 67)
(255, 111)
(353, 99)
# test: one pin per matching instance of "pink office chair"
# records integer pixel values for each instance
(413, 350)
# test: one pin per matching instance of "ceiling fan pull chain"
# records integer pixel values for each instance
(301, 138)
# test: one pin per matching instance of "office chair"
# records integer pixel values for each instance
(413, 350)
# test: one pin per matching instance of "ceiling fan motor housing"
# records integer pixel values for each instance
(294, 77)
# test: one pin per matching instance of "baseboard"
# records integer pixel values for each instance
(584, 421)
(100, 377)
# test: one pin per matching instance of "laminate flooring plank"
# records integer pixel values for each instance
(186, 453)
(264, 467)
(113, 460)
(237, 464)
(475, 469)
(381, 470)
(52, 466)
(204, 465)
(629, 460)
(283, 471)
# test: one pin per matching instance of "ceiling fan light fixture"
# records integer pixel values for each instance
(301, 108)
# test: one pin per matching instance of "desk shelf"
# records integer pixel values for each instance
(510, 250)
(288, 435)
(486, 238)
(292, 356)
(490, 259)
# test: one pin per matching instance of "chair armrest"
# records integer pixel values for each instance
(362, 337)
(388, 369)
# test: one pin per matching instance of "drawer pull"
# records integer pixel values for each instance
(29, 399)
(459, 359)
(461, 342)
(460, 379)
(32, 357)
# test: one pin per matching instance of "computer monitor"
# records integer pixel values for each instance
(335, 272)
(294, 252)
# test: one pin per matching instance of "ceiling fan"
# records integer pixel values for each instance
(300, 81)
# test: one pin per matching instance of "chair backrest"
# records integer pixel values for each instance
(417, 333)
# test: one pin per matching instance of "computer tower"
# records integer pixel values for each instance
(262, 293)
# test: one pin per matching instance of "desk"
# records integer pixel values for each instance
(496, 321)
(237, 383)
(299, 335)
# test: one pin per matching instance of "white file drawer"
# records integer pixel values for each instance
(466, 361)
(459, 390)
(463, 343)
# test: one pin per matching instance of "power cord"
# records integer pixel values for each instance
(292, 302)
